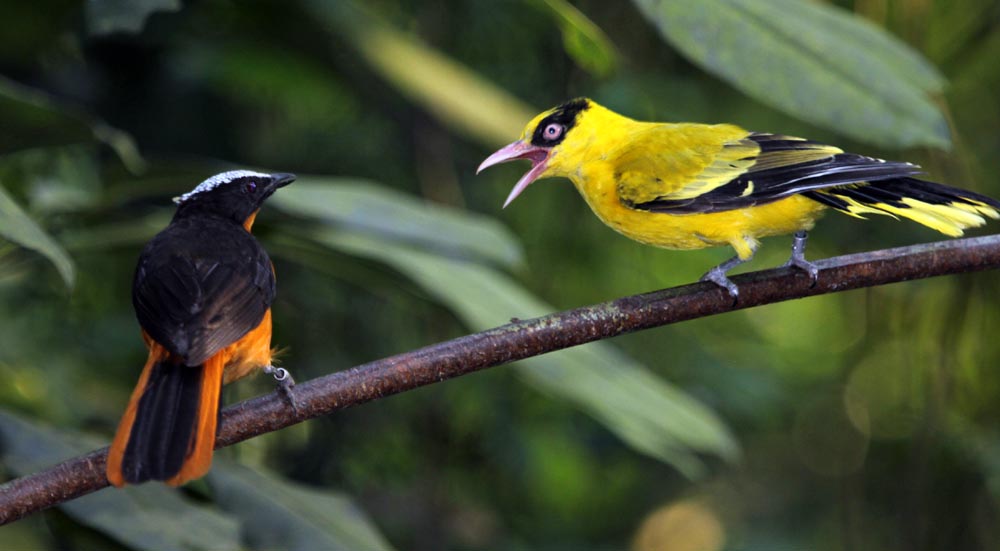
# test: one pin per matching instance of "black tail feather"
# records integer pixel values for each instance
(165, 422)
(944, 208)
(894, 190)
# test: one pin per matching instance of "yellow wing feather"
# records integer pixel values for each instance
(671, 162)
(680, 161)
(804, 152)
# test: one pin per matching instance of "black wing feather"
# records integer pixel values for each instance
(201, 286)
(774, 181)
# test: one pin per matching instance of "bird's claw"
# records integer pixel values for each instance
(718, 277)
(285, 384)
(806, 266)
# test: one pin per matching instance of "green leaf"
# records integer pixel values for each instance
(317, 98)
(55, 179)
(648, 413)
(279, 514)
(25, 536)
(18, 227)
(150, 516)
(442, 250)
(127, 16)
(813, 61)
(452, 92)
(372, 208)
(33, 119)
(584, 41)
(955, 25)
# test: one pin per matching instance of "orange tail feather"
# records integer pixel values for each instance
(199, 459)
(168, 429)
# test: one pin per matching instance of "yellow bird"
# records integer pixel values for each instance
(691, 186)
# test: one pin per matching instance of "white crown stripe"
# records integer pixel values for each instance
(216, 181)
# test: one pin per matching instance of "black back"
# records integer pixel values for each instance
(200, 285)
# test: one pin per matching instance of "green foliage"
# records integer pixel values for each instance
(133, 516)
(846, 421)
(129, 16)
(279, 514)
(365, 207)
(452, 92)
(585, 42)
(18, 227)
(448, 252)
(33, 119)
(646, 412)
(268, 511)
(814, 62)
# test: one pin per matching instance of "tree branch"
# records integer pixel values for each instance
(522, 339)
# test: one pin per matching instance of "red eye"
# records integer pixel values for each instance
(553, 131)
(249, 187)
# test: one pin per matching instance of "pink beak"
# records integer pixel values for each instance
(519, 150)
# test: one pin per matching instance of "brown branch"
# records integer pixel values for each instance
(522, 339)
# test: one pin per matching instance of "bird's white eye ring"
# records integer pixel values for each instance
(553, 131)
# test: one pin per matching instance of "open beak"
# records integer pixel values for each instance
(520, 150)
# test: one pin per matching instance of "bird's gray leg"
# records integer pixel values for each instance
(798, 258)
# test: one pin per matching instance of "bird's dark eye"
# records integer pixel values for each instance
(553, 131)
(249, 187)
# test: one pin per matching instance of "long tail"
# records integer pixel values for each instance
(168, 430)
(944, 208)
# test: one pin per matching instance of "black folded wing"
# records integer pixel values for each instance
(779, 172)
(200, 286)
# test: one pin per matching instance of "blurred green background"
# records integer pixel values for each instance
(864, 420)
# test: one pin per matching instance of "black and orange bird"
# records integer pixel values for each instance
(202, 293)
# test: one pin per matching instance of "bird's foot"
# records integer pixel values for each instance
(285, 384)
(804, 265)
(798, 258)
(717, 275)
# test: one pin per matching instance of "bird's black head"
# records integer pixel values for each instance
(235, 195)
(551, 129)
